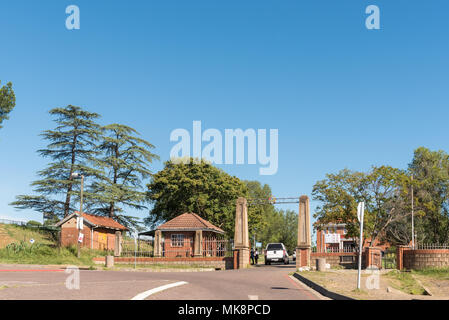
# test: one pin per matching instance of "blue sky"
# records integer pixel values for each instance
(340, 95)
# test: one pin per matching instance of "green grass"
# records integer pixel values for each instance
(405, 282)
(26, 253)
(435, 273)
(22, 233)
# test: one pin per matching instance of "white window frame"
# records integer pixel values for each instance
(177, 240)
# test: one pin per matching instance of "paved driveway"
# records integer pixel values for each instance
(260, 282)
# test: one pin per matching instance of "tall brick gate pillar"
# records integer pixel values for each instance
(158, 243)
(241, 237)
(304, 238)
(198, 244)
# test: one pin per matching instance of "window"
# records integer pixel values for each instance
(177, 240)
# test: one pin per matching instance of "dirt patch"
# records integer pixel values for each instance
(386, 287)
(5, 239)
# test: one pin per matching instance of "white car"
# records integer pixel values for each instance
(276, 252)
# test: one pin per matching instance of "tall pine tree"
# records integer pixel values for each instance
(125, 163)
(71, 149)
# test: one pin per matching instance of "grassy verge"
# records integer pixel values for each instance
(434, 273)
(405, 282)
(26, 253)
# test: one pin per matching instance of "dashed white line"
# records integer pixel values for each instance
(253, 297)
(144, 295)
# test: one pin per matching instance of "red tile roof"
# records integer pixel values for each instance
(102, 221)
(189, 221)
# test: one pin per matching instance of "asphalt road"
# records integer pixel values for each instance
(261, 282)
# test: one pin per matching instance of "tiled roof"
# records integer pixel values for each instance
(189, 221)
(102, 221)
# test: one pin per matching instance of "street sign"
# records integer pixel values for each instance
(258, 244)
(332, 238)
(80, 237)
(360, 211)
(79, 223)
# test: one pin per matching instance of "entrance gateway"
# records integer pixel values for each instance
(241, 236)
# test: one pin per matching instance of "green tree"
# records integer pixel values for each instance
(71, 148)
(383, 190)
(430, 170)
(7, 101)
(259, 214)
(196, 186)
(125, 164)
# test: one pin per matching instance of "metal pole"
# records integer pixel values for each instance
(413, 219)
(362, 208)
(135, 252)
(81, 211)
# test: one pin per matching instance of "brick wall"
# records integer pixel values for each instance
(347, 260)
(420, 259)
(217, 263)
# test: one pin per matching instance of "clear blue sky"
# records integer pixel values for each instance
(340, 95)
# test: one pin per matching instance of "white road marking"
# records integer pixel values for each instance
(144, 295)
(253, 297)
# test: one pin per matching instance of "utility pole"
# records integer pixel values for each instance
(413, 219)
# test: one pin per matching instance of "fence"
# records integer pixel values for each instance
(345, 249)
(7, 221)
(184, 248)
(217, 248)
(431, 246)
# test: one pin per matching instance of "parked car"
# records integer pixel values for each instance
(276, 252)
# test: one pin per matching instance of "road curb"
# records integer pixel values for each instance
(323, 291)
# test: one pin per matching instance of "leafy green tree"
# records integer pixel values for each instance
(7, 101)
(430, 170)
(383, 190)
(199, 187)
(71, 148)
(125, 163)
(259, 214)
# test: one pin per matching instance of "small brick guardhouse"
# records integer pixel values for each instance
(101, 233)
(187, 235)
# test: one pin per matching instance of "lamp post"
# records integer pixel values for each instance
(76, 175)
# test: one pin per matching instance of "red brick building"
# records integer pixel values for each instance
(188, 235)
(101, 233)
(332, 237)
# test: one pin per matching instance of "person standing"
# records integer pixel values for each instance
(252, 256)
(256, 256)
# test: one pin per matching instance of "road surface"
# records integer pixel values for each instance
(257, 283)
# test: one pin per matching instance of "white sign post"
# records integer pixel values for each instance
(360, 214)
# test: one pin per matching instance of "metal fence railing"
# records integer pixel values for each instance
(181, 248)
(432, 246)
(345, 249)
(16, 222)
(217, 247)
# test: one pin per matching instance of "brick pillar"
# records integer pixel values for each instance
(304, 239)
(400, 256)
(158, 243)
(198, 244)
(241, 237)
